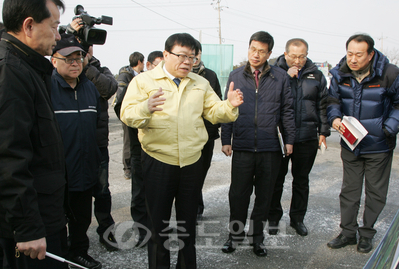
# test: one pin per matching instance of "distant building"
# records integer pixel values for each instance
(325, 68)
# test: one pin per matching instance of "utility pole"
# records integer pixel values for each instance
(219, 8)
(382, 42)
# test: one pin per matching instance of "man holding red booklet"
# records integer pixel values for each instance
(366, 87)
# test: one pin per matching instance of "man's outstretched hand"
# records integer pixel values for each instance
(235, 97)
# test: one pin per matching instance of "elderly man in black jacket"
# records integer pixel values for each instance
(256, 148)
(308, 87)
(32, 164)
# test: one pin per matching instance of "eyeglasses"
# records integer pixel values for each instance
(71, 60)
(183, 57)
(261, 53)
(301, 58)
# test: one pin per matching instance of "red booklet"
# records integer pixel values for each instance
(349, 136)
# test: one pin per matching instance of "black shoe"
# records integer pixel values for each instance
(140, 241)
(86, 261)
(259, 249)
(342, 241)
(127, 175)
(109, 242)
(230, 246)
(273, 227)
(300, 228)
(365, 244)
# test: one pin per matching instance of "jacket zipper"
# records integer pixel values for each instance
(256, 117)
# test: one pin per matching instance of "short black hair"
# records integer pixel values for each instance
(296, 42)
(199, 46)
(182, 39)
(362, 38)
(16, 11)
(263, 37)
(135, 57)
(153, 55)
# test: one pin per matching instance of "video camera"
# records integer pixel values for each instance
(88, 34)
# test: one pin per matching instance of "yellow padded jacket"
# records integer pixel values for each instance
(177, 134)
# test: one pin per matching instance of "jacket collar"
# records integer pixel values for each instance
(308, 67)
(266, 69)
(199, 69)
(81, 79)
(27, 54)
(376, 69)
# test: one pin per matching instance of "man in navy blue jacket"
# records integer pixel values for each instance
(364, 86)
(257, 152)
(76, 104)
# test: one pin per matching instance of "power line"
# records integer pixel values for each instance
(284, 25)
(163, 16)
(159, 14)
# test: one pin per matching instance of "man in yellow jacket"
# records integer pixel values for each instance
(167, 105)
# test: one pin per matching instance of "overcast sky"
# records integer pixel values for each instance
(144, 25)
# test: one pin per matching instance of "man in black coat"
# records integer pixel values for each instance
(308, 87)
(212, 129)
(32, 164)
(132, 150)
(126, 74)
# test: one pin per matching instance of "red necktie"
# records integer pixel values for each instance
(257, 77)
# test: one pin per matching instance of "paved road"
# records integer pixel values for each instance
(286, 250)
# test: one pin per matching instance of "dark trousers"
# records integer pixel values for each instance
(376, 170)
(80, 204)
(126, 148)
(102, 195)
(165, 183)
(249, 170)
(302, 160)
(207, 153)
(138, 209)
(56, 244)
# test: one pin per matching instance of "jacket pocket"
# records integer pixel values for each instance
(47, 125)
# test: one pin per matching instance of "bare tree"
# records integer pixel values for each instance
(393, 56)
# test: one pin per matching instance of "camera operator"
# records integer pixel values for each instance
(106, 85)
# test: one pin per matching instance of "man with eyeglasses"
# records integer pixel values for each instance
(167, 105)
(153, 59)
(106, 86)
(253, 141)
(308, 87)
(76, 104)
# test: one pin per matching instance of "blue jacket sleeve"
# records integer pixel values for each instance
(333, 103)
(391, 124)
